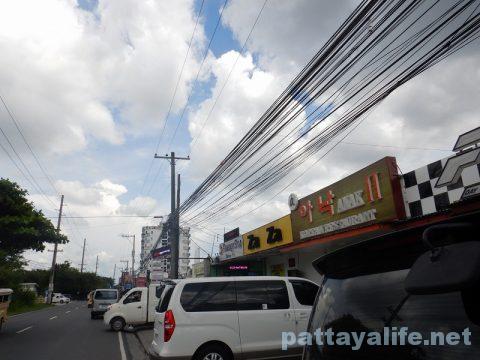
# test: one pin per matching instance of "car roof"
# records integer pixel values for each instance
(106, 290)
(6, 291)
(241, 278)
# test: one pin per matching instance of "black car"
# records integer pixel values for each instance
(389, 289)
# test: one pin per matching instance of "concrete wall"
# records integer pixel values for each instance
(303, 263)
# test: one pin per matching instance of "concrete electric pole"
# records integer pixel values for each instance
(83, 255)
(96, 266)
(174, 215)
(54, 260)
(133, 255)
(114, 271)
(123, 279)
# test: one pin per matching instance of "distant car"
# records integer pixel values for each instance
(58, 298)
(102, 299)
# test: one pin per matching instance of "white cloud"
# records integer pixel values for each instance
(244, 98)
(72, 76)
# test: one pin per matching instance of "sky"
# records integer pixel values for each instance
(94, 87)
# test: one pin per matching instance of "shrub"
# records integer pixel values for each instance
(22, 298)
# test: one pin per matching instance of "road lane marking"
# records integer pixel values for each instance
(27, 328)
(122, 348)
(66, 312)
(53, 317)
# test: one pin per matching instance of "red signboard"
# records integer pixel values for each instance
(141, 281)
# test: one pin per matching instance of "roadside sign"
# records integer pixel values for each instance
(232, 234)
(468, 154)
(471, 191)
(453, 168)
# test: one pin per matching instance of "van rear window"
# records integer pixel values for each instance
(208, 296)
(165, 299)
(105, 295)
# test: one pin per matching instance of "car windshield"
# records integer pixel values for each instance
(105, 295)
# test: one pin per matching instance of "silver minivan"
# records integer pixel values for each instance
(102, 299)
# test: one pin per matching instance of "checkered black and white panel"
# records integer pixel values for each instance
(423, 198)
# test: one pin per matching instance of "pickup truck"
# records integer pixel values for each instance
(136, 307)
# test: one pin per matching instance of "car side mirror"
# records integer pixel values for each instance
(445, 269)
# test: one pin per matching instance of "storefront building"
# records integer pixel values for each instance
(375, 201)
(358, 206)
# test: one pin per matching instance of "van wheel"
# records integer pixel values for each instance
(92, 315)
(213, 352)
(117, 324)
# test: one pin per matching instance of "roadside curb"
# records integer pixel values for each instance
(144, 342)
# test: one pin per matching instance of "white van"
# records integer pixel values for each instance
(231, 317)
(136, 307)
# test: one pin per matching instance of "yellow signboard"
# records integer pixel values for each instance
(369, 196)
(271, 235)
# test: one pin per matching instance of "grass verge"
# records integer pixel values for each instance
(26, 308)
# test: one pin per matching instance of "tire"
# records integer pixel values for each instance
(92, 315)
(61, 301)
(117, 324)
(213, 352)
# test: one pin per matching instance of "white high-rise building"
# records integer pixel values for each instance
(184, 251)
(160, 267)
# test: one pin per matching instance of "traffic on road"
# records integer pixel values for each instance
(64, 331)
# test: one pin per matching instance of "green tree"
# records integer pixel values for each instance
(22, 228)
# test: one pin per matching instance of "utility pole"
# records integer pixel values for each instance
(133, 255)
(55, 249)
(114, 271)
(178, 192)
(174, 215)
(123, 279)
(133, 261)
(83, 255)
(96, 266)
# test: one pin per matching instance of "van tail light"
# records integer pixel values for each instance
(168, 325)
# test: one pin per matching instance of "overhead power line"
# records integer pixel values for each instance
(381, 46)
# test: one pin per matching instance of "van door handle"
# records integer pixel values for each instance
(139, 307)
(303, 315)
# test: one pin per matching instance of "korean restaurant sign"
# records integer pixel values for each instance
(271, 235)
(231, 249)
(369, 196)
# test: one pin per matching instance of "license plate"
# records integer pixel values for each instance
(103, 306)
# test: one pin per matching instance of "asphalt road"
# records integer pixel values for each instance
(64, 332)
